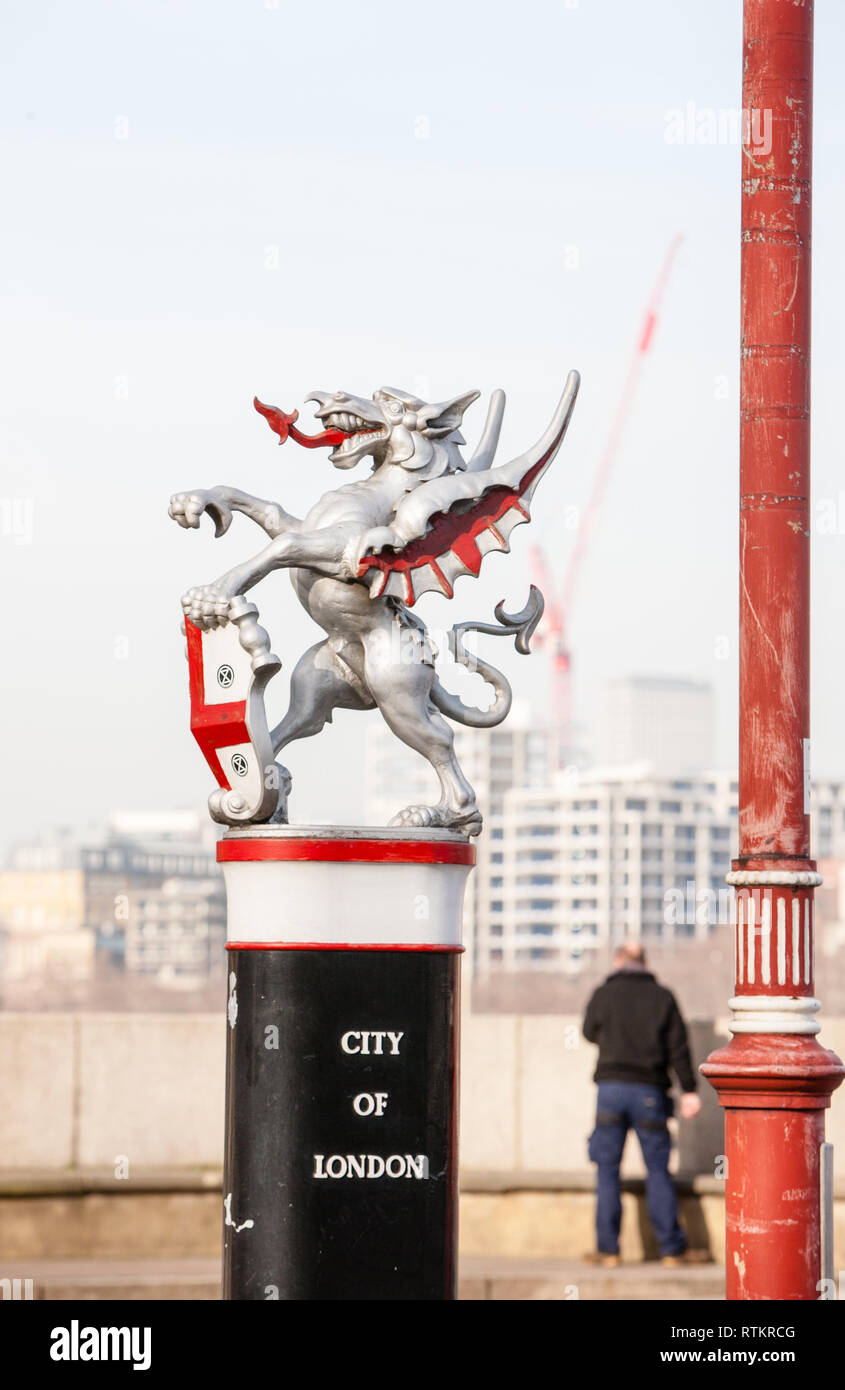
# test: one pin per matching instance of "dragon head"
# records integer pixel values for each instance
(395, 427)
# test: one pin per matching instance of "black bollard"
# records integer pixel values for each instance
(341, 1175)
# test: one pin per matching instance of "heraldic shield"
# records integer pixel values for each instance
(229, 669)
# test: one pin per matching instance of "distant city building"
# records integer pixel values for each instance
(598, 856)
(666, 722)
(67, 901)
(827, 824)
(605, 854)
(828, 845)
(176, 933)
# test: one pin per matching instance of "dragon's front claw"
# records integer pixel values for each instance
(186, 508)
(371, 541)
(207, 606)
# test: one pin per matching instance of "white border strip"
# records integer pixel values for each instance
(774, 878)
(773, 1013)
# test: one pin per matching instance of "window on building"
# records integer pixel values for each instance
(670, 807)
(655, 829)
(684, 832)
(633, 803)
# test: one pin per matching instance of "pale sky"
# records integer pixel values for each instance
(205, 201)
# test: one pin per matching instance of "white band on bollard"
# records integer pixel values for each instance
(336, 887)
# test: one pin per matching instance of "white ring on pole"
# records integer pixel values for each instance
(773, 1013)
(779, 878)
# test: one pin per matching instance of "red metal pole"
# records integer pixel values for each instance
(773, 1078)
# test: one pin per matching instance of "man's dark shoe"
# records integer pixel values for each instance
(687, 1257)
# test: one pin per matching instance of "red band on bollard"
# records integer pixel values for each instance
(346, 851)
(338, 946)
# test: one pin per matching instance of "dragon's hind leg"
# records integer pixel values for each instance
(401, 686)
(321, 682)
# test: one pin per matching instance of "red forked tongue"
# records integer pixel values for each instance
(283, 425)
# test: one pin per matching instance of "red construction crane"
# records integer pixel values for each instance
(558, 612)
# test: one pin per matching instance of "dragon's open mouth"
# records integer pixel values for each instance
(357, 430)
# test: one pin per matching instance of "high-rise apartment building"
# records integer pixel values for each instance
(597, 856)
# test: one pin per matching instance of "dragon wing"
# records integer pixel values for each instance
(448, 525)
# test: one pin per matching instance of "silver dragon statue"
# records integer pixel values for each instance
(422, 518)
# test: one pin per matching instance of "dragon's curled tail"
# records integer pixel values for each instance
(521, 627)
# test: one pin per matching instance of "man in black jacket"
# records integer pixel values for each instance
(640, 1035)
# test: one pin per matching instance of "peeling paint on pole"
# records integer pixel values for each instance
(775, 432)
(773, 1078)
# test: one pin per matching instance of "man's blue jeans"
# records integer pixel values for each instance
(624, 1105)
